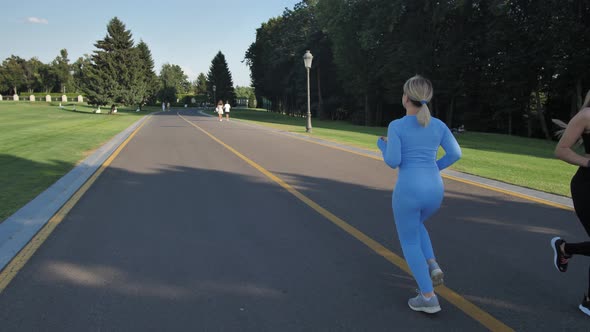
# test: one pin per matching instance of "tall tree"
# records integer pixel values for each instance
(12, 73)
(243, 91)
(276, 65)
(570, 29)
(78, 68)
(33, 79)
(61, 69)
(259, 57)
(201, 84)
(150, 78)
(173, 80)
(220, 77)
(49, 79)
(116, 73)
(357, 44)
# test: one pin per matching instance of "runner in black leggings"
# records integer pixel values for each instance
(578, 127)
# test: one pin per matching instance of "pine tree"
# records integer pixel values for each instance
(201, 84)
(149, 76)
(220, 76)
(116, 73)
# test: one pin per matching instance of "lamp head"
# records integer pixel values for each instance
(307, 58)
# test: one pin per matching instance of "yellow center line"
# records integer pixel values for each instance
(17, 263)
(454, 298)
(450, 177)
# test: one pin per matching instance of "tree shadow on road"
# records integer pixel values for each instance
(180, 247)
(494, 247)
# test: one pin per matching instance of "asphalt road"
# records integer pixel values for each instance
(181, 234)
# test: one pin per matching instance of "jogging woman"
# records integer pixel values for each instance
(411, 144)
(578, 127)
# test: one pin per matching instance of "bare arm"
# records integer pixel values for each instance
(575, 128)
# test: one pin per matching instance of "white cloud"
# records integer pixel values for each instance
(37, 20)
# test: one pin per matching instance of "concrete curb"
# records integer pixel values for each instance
(566, 201)
(18, 229)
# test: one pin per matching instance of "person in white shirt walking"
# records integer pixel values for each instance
(219, 110)
(226, 108)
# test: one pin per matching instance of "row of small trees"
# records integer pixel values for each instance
(497, 65)
(21, 75)
(119, 71)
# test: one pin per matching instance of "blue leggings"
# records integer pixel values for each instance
(418, 195)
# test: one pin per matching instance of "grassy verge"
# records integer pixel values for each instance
(521, 161)
(40, 142)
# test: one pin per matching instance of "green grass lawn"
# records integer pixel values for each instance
(39, 143)
(521, 161)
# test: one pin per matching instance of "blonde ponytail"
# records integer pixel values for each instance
(423, 116)
(419, 91)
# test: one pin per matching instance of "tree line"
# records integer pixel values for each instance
(119, 71)
(506, 66)
(18, 75)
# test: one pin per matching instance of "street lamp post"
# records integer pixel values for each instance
(307, 57)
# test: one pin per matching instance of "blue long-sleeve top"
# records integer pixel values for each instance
(409, 145)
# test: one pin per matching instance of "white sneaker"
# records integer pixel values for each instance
(419, 303)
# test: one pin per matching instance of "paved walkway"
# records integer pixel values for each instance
(205, 225)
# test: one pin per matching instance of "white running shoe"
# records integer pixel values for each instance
(419, 303)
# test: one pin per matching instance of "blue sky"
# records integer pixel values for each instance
(185, 33)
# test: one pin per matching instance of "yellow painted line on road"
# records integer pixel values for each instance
(17, 263)
(450, 177)
(454, 298)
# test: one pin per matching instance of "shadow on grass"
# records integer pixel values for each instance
(22, 180)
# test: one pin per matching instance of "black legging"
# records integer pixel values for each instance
(580, 187)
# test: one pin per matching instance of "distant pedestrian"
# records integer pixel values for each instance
(219, 110)
(168, 106)
(411, 145)
(163, 107)
(226, 108)
(578, 127)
